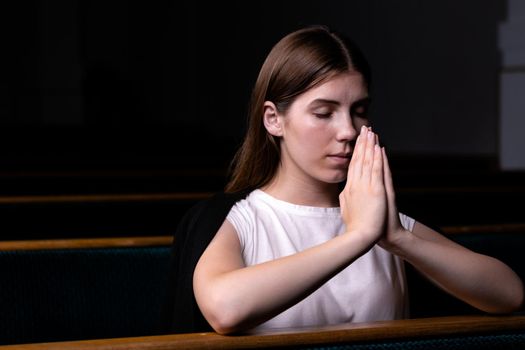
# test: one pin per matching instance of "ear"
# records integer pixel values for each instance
(272, 120)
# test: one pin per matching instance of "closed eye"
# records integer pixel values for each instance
(360, 108)
(323, 115)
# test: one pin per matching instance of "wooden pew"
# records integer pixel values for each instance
(82, 288)
(83, 243)
(93, 274)
(498, 332)
(139, 214)
(484, 229)
(65, 216)
(463, 205)
(502, 241)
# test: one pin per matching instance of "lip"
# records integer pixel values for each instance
(340, 158)
(341, 154)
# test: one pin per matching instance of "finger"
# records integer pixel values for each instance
(369, 155)
(389, 184)
(355, 166)
(351, 165)
(377, 167)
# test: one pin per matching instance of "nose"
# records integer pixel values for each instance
(345, 129)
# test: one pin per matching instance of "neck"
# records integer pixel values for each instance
(303, 191)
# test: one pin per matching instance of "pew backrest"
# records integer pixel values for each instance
(61, 290)
(81, 293)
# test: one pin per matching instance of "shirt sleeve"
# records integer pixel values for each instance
(241, 220)
(407, 222)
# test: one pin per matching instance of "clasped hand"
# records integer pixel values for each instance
(367, 201)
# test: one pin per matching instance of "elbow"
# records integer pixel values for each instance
(222, 315)
(513, 302)
(222, 323)
(223, 326)
(518, 302)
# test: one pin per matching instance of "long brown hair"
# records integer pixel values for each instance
(298, 62)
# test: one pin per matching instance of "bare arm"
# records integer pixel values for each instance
(482, 281)
(234, 297)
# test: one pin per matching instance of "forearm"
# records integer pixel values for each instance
(243, 298)
(482, 281)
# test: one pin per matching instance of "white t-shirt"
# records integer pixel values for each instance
(372, 288)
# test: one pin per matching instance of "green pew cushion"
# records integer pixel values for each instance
(72, 294)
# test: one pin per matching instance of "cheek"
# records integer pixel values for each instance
(310, 137)
(317, 137)
(310, 131)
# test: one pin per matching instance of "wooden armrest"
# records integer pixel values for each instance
(341, 334)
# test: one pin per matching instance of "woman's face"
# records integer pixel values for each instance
(320, 127)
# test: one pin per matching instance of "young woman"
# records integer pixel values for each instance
(296, 248)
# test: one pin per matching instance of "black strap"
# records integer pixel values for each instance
(194, 232)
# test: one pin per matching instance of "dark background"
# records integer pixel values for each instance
(111, 83)
(127, 97)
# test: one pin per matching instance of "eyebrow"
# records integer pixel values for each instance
(335, 102)
(324, 101)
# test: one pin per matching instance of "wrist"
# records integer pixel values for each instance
(400, 242)
(360, 239)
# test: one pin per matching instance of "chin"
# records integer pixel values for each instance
(335, 179)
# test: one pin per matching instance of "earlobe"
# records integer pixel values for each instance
(272, 120)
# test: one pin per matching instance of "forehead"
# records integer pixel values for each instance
(345, 88)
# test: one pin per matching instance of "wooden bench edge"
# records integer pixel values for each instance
(342, 334)
(79, 243)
